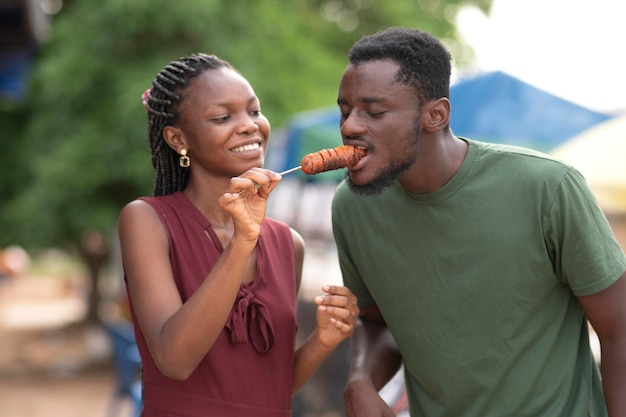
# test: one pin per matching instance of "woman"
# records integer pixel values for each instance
(212, 281)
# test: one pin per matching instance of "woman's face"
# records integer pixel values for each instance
(221, 120)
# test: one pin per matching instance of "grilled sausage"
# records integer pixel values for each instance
(343, 156)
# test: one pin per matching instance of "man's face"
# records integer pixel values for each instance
(381, 115)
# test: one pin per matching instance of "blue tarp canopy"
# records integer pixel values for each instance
(493, 107)
(15, 66)
(496, 107)
(23, 25)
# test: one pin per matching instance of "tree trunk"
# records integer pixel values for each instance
(95, 250)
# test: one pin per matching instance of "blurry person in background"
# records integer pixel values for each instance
(14, 260)
(475, 265)
(212, 282)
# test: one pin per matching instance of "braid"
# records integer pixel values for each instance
(163, 105)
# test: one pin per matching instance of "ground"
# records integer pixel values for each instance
(82, 394)
(50, 364)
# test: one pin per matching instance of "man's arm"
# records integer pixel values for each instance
(375, 359)
(606, 312)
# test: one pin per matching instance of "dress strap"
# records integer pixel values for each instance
(216, 240)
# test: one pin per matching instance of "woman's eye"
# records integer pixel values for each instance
(221, 119)
(255, 112)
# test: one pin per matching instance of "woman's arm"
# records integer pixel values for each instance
(336, 314)
(178, 335)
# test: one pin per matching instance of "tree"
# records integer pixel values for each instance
(81, 133)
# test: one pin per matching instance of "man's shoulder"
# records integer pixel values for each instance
(518, 157)
(505, 149)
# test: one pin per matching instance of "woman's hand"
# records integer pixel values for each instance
(246, 200)
(337, 313)
(336, 316)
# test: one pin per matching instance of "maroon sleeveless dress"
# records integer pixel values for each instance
(248, 371)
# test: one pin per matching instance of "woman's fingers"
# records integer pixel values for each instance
(255, 181)
(340, 303)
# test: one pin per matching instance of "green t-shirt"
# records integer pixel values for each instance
(478, 280)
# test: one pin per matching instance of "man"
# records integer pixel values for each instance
(475, 265)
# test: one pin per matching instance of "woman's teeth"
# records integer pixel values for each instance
(246, 148)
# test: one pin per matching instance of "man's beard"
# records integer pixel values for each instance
(389, 174)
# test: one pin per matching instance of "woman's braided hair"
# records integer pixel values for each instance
(163, 102)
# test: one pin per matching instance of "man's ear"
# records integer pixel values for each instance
(174, 138)
(436, 115)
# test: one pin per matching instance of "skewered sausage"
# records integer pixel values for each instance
(343, 156)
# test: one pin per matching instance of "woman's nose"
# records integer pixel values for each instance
(248, 125)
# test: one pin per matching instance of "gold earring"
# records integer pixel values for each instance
(184, 159)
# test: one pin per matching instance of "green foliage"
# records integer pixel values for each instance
(77, 148)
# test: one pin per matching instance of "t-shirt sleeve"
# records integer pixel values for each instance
(585, 252)
(352, 280)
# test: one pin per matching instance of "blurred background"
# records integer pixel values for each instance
(538, 73)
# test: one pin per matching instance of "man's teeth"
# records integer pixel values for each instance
(245, 148)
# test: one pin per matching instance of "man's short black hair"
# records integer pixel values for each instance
(424, 61)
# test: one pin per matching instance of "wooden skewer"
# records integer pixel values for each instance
(290, 170)
(283, 173)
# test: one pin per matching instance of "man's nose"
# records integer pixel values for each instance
(352, 125)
